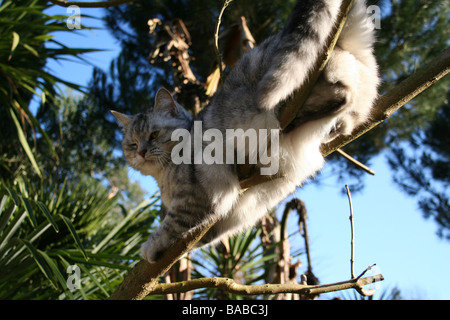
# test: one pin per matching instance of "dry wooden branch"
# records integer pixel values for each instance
(355, 162)
(229, 285)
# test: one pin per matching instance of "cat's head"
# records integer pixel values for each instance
(147, 143)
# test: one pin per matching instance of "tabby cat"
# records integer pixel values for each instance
(197, 193)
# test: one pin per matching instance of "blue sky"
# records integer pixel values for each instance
(389, 228)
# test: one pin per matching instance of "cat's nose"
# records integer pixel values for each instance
(142, 153)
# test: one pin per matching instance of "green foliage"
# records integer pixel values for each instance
(45, 228)
(422, 169)
(26, 43)
(56, 210)
(412, 35)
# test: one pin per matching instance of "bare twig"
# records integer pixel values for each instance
(367, 269)
(361, 289)
(355, 162)
(97, 4)
(216, 37)
(304, 226)
(352, 241)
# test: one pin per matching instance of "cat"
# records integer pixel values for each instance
(197, 193)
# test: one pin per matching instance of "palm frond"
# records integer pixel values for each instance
(44, 230)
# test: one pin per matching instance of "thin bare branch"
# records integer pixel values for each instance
(229, 285)
(352, 241)
(355, 162)
(367, 269)
(216, 37)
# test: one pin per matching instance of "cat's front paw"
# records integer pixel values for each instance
(151, 250)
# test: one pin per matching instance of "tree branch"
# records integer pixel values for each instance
(229, 285)
(97, 4)
(355, 162)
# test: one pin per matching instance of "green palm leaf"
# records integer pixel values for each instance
(34, 256)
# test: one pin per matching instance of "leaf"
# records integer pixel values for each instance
(11, 230)
(5, 5)
(24, 143)
(94, 279)
(26, 203)
(121, 225)
(74, 235)
(31, 49)
(62, 280)
(5, 213)
(14, 196)
(40, 261)
(47, 215)
(15, 42)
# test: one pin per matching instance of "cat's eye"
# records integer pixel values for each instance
(133, 146)
(154, 135)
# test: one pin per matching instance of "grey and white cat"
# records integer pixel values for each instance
(195, 194)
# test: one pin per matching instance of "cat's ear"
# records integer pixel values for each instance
(123, 119)
(165, 102)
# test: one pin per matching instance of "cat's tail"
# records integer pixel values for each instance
(296, 49)
(358, 34)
